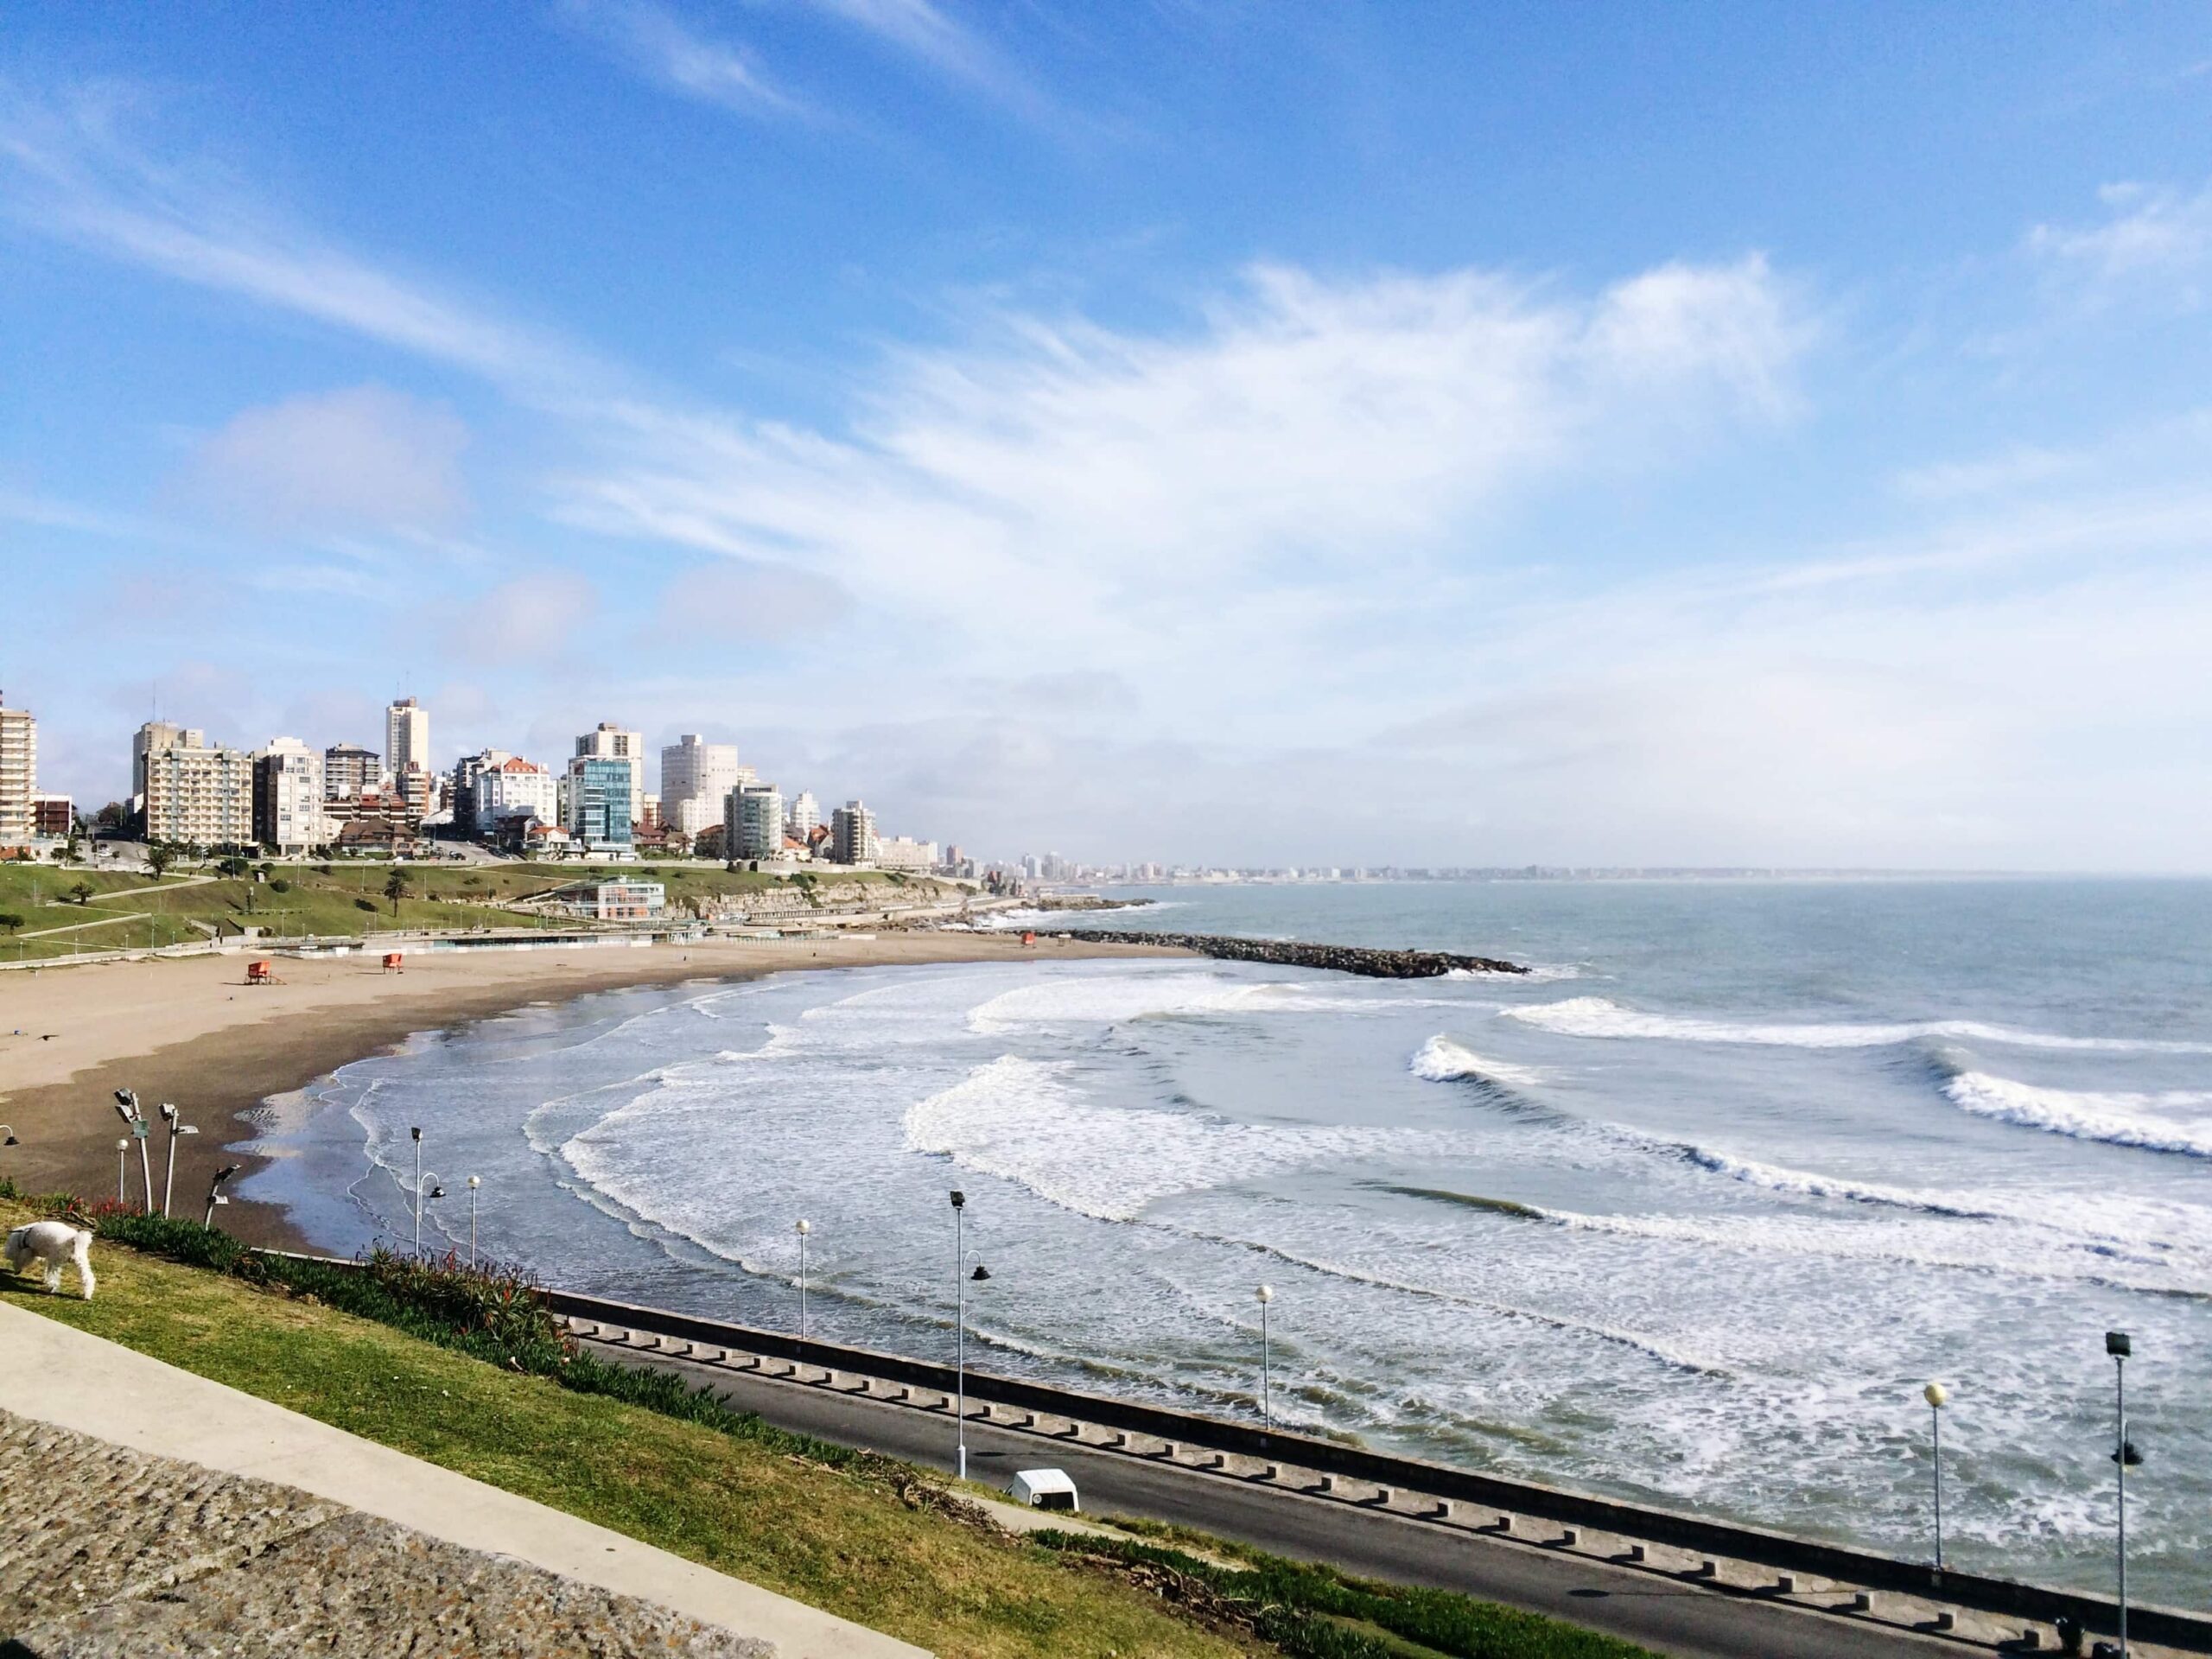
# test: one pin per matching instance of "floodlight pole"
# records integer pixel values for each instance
(177, 1127)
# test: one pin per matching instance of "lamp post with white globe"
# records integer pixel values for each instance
(1266, 1293)
(474, 1182)
(803, 1228)
(1936, 1394)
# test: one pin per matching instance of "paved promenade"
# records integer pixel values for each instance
(146, 1509)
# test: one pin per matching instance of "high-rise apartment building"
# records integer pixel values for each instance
(802, 816)
(599, 799)
(348, 771)
(695, 778)
(288, 797)
(18, 775)
(852, 833)
(611, 742)
(407, 736)
(195, 792)
(752, 824)
(417, 787)
(156, 735)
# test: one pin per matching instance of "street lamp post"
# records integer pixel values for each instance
(960, 1279)
(1266, 1294)
(126, 1108)
(122, 1154)
(2124, 1455)
(177, 1127)
(803, 1228)
(1936, 1394)
(215, 1192)
(474, 1182)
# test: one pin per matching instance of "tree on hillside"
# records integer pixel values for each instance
(10, 920)
(82, 892)
(159, 856)
(395, 888)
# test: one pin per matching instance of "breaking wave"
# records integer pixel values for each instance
(2116, 1120)
(1599, 1016)
(1441, 1060)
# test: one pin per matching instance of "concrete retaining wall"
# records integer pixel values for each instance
(1783, 1551)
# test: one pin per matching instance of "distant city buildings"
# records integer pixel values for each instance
(288, 813)
(18, 775)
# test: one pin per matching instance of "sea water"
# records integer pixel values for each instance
(1688, 1214)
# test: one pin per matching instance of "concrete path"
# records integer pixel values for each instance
(54, 1374)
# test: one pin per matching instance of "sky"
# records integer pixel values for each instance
(1241, 433)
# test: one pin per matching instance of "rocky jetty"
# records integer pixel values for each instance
(1293, 953)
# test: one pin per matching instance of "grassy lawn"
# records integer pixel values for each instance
(842, 1541)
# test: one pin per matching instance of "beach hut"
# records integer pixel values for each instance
(261, 973)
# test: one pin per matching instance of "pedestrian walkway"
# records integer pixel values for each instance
(55, 1374)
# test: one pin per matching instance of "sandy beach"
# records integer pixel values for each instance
(190, 1031)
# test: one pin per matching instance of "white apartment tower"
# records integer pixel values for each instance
(752, 822)
(852, 833)
(515, 788)
(406, 736)
(695, 779)
(18, 775)
(611, 742)
(803, 816)
(195, 792)
(288, 797)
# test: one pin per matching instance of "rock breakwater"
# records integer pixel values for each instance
(1295, 953)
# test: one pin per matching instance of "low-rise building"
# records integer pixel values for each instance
(903, 853)
(52, 816)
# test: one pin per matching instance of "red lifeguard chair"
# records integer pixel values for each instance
(393, 962)
(261, 973)
(1029, 939)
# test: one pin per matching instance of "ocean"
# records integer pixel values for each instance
(1689, 1214)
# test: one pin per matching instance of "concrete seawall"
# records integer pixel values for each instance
(1293, 953)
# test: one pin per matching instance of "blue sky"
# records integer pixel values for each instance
(1438, 434)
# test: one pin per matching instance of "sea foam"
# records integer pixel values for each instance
(1441, 1060)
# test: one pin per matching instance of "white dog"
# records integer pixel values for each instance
(53, 1243)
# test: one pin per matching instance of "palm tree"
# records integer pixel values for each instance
(159, 856)
(395, 888)
(82, 892)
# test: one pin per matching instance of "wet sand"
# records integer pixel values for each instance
(190, 1031)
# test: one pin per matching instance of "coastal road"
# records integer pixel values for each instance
(1661, 1613)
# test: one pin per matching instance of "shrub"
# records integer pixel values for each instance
(369, 905)
(280, 885)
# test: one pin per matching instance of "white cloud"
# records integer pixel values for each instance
(740, 600)
(658, 44)
(362, 458)
(2152, 238)
(1308, 433)
(70, 169)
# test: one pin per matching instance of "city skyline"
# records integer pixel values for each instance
(1751, 442)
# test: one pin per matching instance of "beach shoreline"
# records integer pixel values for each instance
(190, 1030)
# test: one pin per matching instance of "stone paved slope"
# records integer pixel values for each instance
(111, 1552)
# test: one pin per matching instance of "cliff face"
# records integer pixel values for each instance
(1292, 953)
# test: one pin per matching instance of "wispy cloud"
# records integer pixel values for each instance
(71, 169)
(662, 46)
(2151, 235)
(925, 32)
